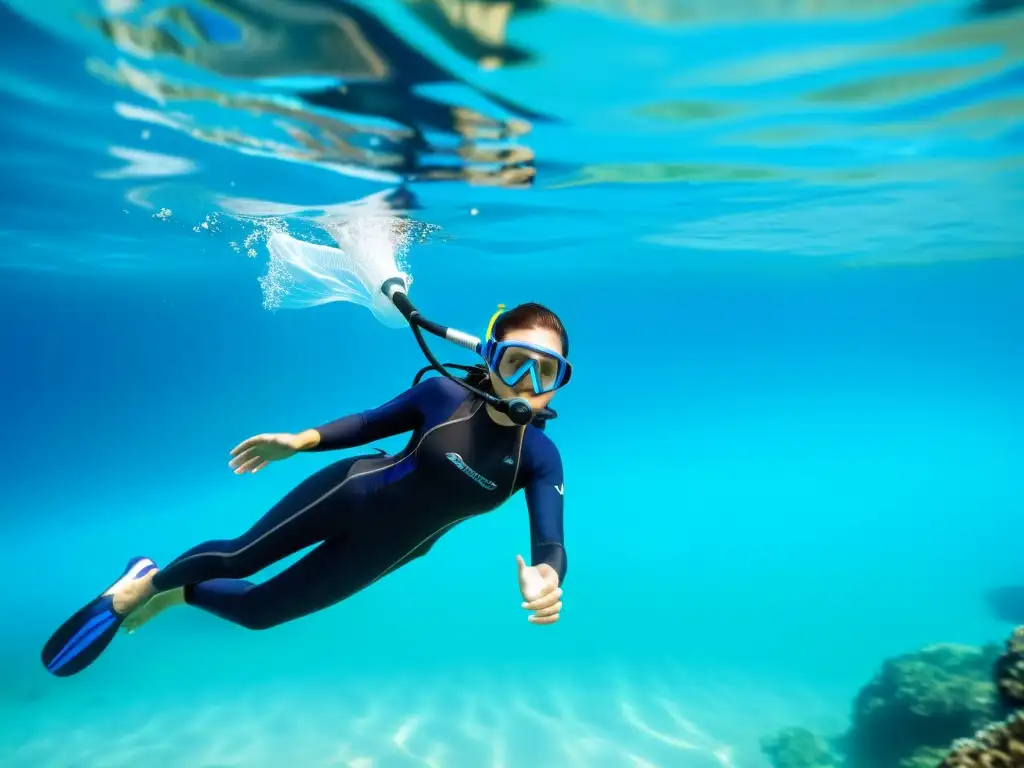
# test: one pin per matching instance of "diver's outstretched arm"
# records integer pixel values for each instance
(402, 414)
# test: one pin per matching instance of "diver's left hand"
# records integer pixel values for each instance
(541, 594)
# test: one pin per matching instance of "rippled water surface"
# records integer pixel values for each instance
(697, 127)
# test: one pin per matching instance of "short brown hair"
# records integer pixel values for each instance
(530, 315)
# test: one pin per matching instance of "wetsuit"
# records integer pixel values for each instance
(373, 514)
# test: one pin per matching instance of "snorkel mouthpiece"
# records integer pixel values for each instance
(519, 411)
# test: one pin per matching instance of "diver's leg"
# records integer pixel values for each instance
(335, 570)
(311, 512)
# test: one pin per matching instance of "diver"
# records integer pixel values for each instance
(474, 443)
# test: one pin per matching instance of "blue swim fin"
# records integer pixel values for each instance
(81, 639)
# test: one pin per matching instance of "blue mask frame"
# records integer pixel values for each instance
(493, 350)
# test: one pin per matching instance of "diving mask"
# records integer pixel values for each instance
(512, 361)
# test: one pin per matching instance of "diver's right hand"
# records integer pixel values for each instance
(254, 454)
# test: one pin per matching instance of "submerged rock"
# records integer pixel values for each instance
(925, 757)
(922, 701)
(797, 748)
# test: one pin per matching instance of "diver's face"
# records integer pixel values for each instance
(541, 337)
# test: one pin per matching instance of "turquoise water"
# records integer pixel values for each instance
(785, 239)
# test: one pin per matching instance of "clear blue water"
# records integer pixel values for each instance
(785, 239)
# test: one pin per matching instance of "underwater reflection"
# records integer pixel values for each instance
(675, 12)
(477, 28)
(345, 90)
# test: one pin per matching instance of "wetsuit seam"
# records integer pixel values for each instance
(471, 414)
(519, 461)
(400, 561)
(323, 496)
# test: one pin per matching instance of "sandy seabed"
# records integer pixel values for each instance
(590, 719)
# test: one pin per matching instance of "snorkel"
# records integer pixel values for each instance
(516, 408)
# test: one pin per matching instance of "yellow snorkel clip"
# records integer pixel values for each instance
(490, 325)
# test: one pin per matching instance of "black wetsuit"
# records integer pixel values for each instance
(373, 514)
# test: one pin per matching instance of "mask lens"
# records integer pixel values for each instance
(541, 368)
(549, 368)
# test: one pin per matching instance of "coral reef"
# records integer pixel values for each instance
(920, 706)
(925, 699)
(1010, 670)
(999, 746)
(797, 748)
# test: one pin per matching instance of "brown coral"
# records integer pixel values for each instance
(998, 746)
(1010, 670)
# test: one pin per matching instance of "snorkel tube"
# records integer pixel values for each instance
(516, 408)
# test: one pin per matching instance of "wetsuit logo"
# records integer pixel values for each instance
(455, 459)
